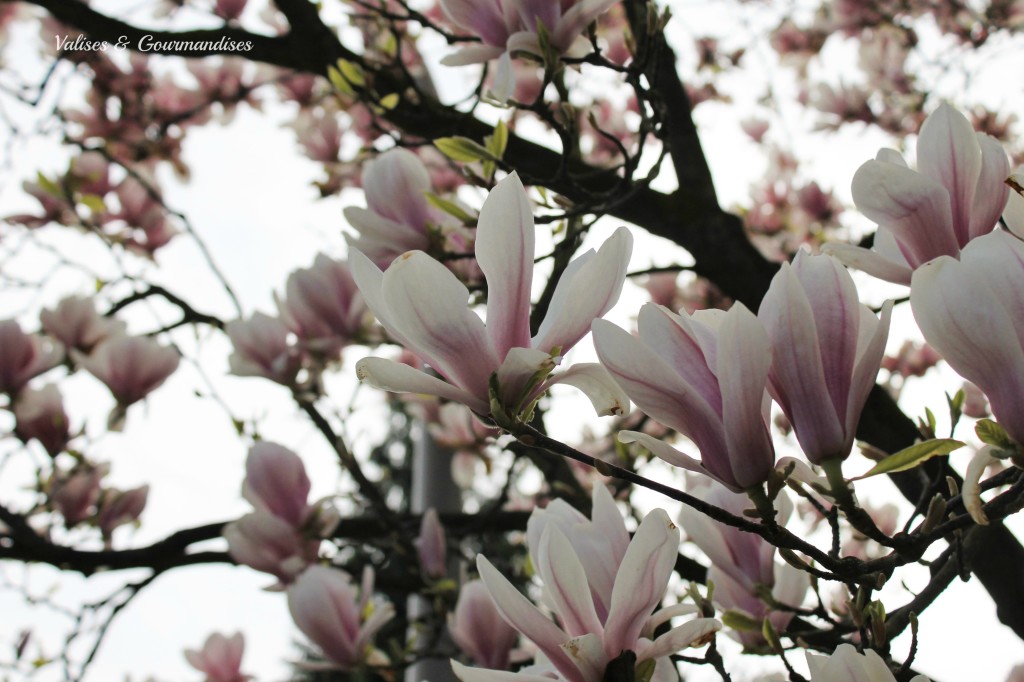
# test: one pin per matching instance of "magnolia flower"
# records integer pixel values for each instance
(22, 357)
(850, 666)
(431, 545)
(40, 414)
(262, 349)
(956, 195)
(595, 627)
(398, 217)
(322, 306)
(424, 307)
(703, 375)
(479, 630)
(826, 350)
(117, 508)
(276, 482)
(743, 565)
(220, 659)
(75, 494)
(270, 544)
(340, 619)
(75, 323)
(510, 26)
(130, 366)
(972, 311)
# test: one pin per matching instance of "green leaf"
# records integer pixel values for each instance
(352, 72)
(339, 82)
(497, 142)
(49, 186)
(94, 203)
(908, 458)
(991, 433)
(737, 620)
(451, 208)
(389, 102)
(463, 149)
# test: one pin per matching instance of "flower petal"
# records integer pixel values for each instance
(397, 377)
(565, 583)
(948, 153)
(990, 199)
(597, 384)
(691, 633)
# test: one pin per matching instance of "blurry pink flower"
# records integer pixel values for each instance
(582, 644)
(40, 414)
(911, 360)
(22, 357)
(328, 609)
(703, 375)
(319, 133)
(397, 217)
(425, 308)
(229, 10)
(956, 195)
(75, 323)
(510, 26)
(432, 546)
(322, 306)
(262, 349)
(91, 173)
(130, 366)
(479, 630)
(120, 507)
(850, 666)
(276, 482)
(220, 659)
(75, 495)
(826, 350)
(975, 403)
(743, 564)
(972, 311)
(270, 544)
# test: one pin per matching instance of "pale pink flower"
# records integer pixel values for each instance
(703, 375)
(319, 133)
(40, 414)
(850, 666)
(322, 306)
(262, 349)
(510, 26)
(432, 546)
(479, 630)
(120, 507)
(972, 311)
(397, 217)
(743, 564)
(975, 402)
(582, 643)
(23, 356)
(332, 612)
(131, 366)
(956, 195)
(220, 659)
(826, 350)
(75, 495)
(424, 307)
(75, 323)
(229, 10)
(276, 482)
(270, 544)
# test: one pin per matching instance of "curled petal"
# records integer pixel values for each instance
(696, 632)
(971, 490)
(389, 375)
(598, 385)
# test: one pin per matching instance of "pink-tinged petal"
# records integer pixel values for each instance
(396, 183)
(585, 292)
(483, 18)
(641, 581)
(797, 379)
(914, 208)
(576, 20)
(532, 11)
(479, 630)
(597, 384)
(696, 632)
(744, 357)
(432, 545)
(565, 583)
(276, 481)
(873, 262)
(504, 250)
(379, 235)
(370, 280)
(467, 674)
(673, 338)
(874, 332)
(397, 377)
(588, 655)
(656, 388)
(520, 377)
(791, 585)
(948, 153)
(430, 307)
(1014, 214)
(953, 307)
(990, 199)
(521, 614)
(473, 54)
(322, 603)
(503, 86)
(998, 261)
